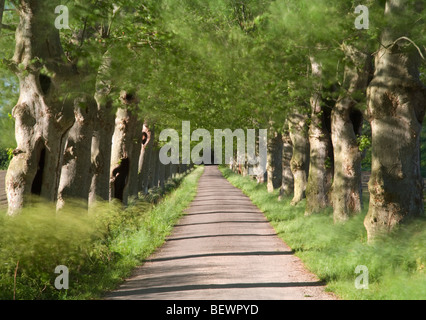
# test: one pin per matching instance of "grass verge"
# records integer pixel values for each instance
(396, 263)
(99, 248)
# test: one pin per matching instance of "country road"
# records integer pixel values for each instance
(222, 249)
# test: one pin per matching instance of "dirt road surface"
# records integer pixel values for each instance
(222, 249)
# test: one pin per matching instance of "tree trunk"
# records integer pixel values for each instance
(101, 160)
(167, 171)
(156, 167)
(274, 162)
(136, 148)
(2, 3)
(321, 153)
(75, 176)
(174, 170)
(287, 185)
(346, 125)
(245, 168)
(102, 136)
(299, 163)
(125, 144)
(153, 178)
(145, 158)
(396, 107)
(161, 174)
(44, 112)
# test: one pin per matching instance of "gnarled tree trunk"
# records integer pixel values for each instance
(346, 127)
(145, 158)
(45, 110)
(103, 130)
(274, 162)
(396, 106)
(133, 188)
(287, 184)
(125, 144)
(75, 176)
(299, 162)
(321, 153)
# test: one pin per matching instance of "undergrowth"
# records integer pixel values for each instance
(100, 247)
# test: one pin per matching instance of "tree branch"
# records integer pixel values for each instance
(412, 42)
(7, 27)
(399, 39)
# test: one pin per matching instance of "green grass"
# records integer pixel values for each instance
(100, 248)
(396, 263)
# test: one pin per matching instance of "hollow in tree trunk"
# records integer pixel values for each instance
(346, 127)
(126, 139)
(45, 110)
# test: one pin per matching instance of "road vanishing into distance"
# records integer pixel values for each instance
(222, 249)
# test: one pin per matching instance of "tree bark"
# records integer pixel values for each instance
(161, 175)
(145, 158)
(396, 107)
(321, 153)
(101, 159)
(287, 185)
(274, 162)
(74, 184)
(125, 144)
(102, 135)
(2, 3)
(155, 168)
(136, 148)
(346, 122)
(45, 109)
(299, 163)
(154, 158)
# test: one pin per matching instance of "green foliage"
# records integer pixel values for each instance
(5, 157)
(155, 193)
(8, 85)
(396, 263)
(99, 248)
(364, 142)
